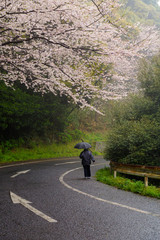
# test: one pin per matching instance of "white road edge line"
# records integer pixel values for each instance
(61, 179)
(17, 199)
(57, 164)
(32, 162)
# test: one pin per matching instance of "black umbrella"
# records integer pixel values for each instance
(82, 145)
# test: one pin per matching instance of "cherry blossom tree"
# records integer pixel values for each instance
(126, 58)
(67, 46)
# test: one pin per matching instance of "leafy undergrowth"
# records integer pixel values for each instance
(105, 176)
(41, 152)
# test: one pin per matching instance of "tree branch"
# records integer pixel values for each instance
(82, 48)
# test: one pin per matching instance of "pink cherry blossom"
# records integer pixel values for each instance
(53, 45)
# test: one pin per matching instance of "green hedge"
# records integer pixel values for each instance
(135, 134)
(136, 142)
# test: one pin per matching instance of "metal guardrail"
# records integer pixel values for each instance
(138, 170)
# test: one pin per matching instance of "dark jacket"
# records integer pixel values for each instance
(86, 157)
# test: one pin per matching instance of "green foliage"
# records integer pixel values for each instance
(105, 176)
(40, 150)
(70, 135)
(149, 77)
(135, 134)
(29, 120)
(131, 108)
(25, 115)
(135, 142)
(144, 11)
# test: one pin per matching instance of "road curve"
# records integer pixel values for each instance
(78, 209)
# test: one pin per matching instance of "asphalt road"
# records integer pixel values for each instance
(52, 201)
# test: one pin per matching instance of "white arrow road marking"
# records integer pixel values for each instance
(18, 173)
(16, 199)
(61, 179)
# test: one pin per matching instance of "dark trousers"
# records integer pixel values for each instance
(87, 171)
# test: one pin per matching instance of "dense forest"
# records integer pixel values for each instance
(26, 115)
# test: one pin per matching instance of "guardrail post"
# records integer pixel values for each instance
(146, 181)
(115, 174)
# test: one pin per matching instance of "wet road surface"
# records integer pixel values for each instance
(80, 209)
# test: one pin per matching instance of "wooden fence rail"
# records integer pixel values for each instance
(138, 170)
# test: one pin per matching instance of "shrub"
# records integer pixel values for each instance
(135, 137)
(135, 142)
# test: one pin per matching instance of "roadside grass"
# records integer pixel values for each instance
(92, 137)
(42, 151)
(124, 183)
(37, 152)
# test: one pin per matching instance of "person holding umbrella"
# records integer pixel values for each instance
(86, 157)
